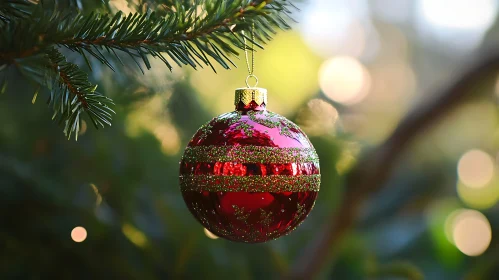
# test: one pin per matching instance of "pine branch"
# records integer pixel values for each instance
(71, 93)
(74, 94)
(184, 36)
(14, 9)
(189, 33)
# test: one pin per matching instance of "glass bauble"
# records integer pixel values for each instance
(250, 175)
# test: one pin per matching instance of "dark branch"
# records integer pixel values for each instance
(375, 167)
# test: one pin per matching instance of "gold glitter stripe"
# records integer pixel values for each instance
(273, 183)
(249, 154)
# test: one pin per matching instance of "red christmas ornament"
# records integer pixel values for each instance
(250, 175)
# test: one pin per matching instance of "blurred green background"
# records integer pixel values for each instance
(109, 205)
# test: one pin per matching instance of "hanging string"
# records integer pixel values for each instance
(251, 68)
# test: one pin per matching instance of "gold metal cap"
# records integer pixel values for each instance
(246, 95)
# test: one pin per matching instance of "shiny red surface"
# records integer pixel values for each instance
(245, 169)
(266, 215)
(219, 216)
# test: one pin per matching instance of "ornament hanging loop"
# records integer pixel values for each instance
(251, 68)
(255, 78)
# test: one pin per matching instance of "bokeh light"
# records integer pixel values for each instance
(133, 234)
(479, 198)
(475, 168)
(459, 14)
(344, 79)
(210, 234)
(471, 231)
(318, 117)
(449, 21)
(348, 32)
(168, 135)
(449, 224)
(79, 234)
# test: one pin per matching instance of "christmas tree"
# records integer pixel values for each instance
(185, 33)
(151, 72)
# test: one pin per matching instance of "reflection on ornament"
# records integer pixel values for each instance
(250, 175)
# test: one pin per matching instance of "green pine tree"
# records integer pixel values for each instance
(192, 33)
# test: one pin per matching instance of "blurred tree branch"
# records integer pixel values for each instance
(14, 9)
(375, 166)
